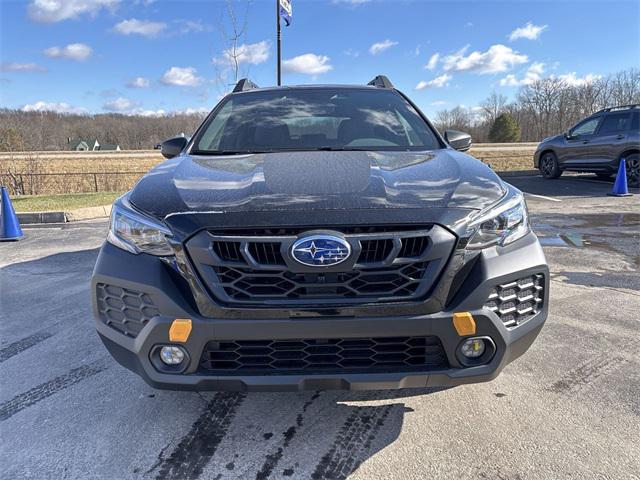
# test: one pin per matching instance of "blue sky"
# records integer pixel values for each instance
(151, 57)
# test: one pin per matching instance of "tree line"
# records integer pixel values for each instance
(542, 108)
(29, 131)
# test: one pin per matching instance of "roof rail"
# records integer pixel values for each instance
(244, 85)
(620, 107)
(381, 81)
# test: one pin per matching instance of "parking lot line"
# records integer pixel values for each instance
(544, 197)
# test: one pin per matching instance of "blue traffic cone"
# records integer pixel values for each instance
(9, 224)
(620, 188)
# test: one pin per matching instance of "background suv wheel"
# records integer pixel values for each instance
(549, 167)
(633, 169)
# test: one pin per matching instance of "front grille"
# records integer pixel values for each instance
(228, 251)
(255, 267)
(266, 253)
(518, 301)
(308, 356)
(124, 310)
(413, 246)
(247, 284)
(374, 251)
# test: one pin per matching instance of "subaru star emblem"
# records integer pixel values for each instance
(320, 250)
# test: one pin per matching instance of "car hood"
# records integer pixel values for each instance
(274, 183)
(551, 139)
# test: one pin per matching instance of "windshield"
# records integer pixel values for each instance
(315, 119)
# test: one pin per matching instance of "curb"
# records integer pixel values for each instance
(519, 173)
(87, 213)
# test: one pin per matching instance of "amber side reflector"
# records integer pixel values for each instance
(180, 330)
(464, 323)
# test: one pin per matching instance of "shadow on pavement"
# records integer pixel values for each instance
(565, 186)
(319, 435)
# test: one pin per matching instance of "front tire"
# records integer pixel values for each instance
(549, 166)
(633, 169)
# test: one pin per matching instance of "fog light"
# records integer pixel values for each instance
(172, 355)
(473, 347)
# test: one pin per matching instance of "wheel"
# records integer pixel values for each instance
(604, 176)
(633, 169)
(549, 167)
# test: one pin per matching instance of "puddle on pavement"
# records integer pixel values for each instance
(610, 232)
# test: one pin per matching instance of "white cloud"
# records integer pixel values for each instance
(252, 53)
(438, 103)
(438, 82)
(181, 77)
(74, 51)
(535, 71)
(52, 107)
(138, 82)
(144, 28)
(309, 64)
(193, 26)
(529, 31)
(21, 67)
(433, 61)
(120, 104)
(51, 11)
(498, 58)
(380, 47)
(509, 81)
(191, 111)
(573, 80)
(533, 74)
(350, 52)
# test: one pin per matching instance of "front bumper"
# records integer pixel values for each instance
(149, 275)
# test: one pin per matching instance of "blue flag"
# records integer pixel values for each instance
(285, 11)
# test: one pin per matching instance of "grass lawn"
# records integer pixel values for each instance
(44, 203)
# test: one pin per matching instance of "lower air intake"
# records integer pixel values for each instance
(347, 355)
(518, 301)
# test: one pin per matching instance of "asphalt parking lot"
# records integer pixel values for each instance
(569, 408)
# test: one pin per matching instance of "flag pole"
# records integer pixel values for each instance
(279, 42)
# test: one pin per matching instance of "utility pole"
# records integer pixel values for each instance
(279, 42)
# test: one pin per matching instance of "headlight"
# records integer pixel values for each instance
(501, 225)
(137, 233)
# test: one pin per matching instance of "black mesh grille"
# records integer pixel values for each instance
(124, 310)
(374, 251)
(347, 355)
(413, 247)
(266, 253)
(256, 267)
(245, 284)
(228, 251)
(518, 301)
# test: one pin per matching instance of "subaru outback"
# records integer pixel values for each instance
(595, 145)
(319, 237)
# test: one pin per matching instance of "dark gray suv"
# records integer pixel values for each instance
(319, 237)
(596, 144)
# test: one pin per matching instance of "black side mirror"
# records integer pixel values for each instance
(459, 140)
(568, 135)
(172, 147)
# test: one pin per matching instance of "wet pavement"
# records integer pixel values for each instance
(569, 408)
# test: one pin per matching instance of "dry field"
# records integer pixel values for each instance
(45, 173)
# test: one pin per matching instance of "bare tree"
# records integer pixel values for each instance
(493, 106)
(233, 33)
(458, 118)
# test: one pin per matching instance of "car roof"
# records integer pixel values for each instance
(310, 87)
(380, 82)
